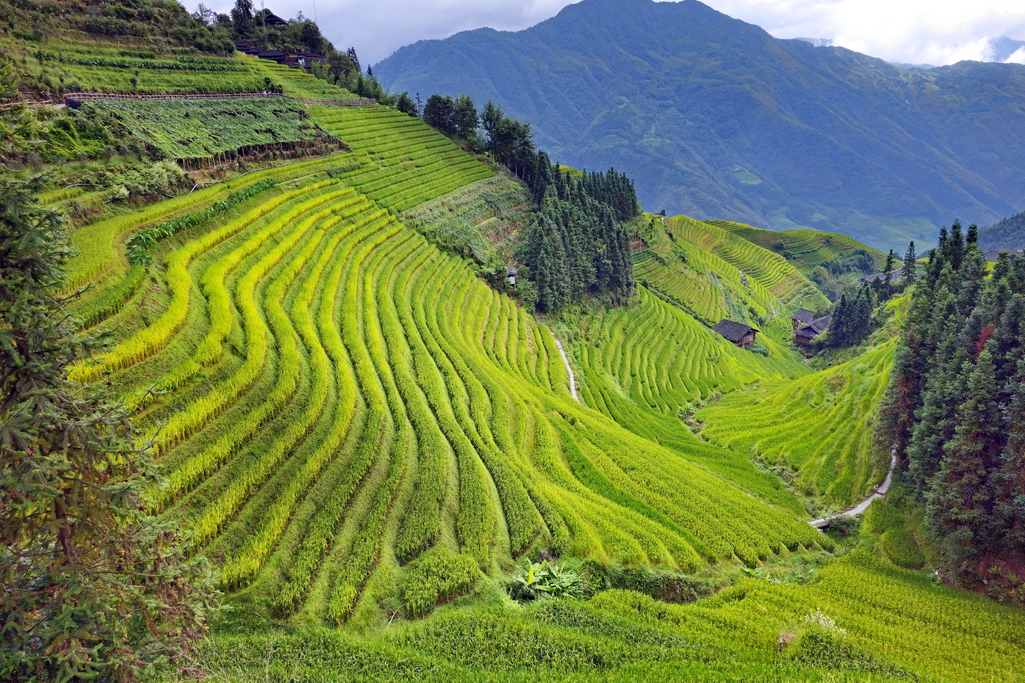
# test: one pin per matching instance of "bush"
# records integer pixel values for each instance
(546, 580)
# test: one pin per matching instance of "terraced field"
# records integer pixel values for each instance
(860, 620)
(807, 248)
(406, 161)
(821, 426)
(650, 365)
(708, 287)
(331, 395)
(770, 270)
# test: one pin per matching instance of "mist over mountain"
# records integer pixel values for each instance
(714, 117)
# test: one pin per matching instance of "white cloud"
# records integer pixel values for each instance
(908, 31)
(1018, 57)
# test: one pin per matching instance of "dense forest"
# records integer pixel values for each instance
(578, 242)
(957, 410)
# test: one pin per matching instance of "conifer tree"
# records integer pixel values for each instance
(908, 270)
(91, 587)
(954, 251)
(961, 500)
(1010, 478)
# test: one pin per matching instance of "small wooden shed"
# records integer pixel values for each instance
(740, 334)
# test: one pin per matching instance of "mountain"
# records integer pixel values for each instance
(1006, 234)
(716, 118)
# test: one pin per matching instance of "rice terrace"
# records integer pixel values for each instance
(306, 379)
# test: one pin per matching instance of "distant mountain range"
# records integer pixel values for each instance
(715, 118)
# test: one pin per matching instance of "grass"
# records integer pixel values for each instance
(820, 427)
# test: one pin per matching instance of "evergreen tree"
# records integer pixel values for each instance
(954, 250)
(961, 499)
(92, 587)
(908, 270)
(406, 105)
(972, 238)
(464, 117)
(1010, 479)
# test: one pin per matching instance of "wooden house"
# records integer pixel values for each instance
(740, 334)
(806, 334)
(895, 277)
(801, 318)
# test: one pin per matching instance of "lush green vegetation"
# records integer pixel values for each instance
(830, 260)
(955, 411)
(205, 129)
(820, 428)
(380, 456)
(859, 619)
(404, 162)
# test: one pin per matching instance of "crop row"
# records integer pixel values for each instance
(821, 426)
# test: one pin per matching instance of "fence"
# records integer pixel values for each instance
(352, 102)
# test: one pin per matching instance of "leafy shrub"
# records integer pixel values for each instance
(880, 517)
(546, 580)
(437, 574)
(827, 647)
(844, 525)
(901, 548)
(664, 586)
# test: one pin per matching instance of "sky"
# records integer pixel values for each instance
(904, 31)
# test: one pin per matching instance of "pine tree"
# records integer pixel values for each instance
(954, 251)
(908, 270)
(92, 587)
(972, 238)
(1010, 477)
(961, 497)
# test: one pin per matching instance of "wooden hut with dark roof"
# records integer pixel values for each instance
(740, 334)
(806, 334)
(802, 317)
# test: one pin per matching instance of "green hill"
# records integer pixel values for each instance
(1008, 233)
(715, 118)
(842, 259)
(367, 441)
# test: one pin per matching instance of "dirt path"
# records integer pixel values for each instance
(565, 359)
(858, 509)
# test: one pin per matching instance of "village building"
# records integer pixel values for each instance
(895, 277)
(993, 254)
(801, 318)
(740, 334)
(806, 334)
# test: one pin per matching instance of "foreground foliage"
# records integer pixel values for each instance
(91, 585)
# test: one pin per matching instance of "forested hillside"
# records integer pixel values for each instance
(955, 411)
(1008, 234)
(715, 118)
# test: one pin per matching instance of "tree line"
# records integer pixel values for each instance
(955, 410)
(578, 242)
(852, 320)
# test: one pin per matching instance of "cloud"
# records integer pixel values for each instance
(379, 27)
(1018, 57)
(906, 31)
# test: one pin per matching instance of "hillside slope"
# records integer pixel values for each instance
(714, 117)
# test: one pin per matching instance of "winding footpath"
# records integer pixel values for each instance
(858, 509)
(572, 377)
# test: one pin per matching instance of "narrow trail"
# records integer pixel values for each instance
(565, 359)
(858, 509)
